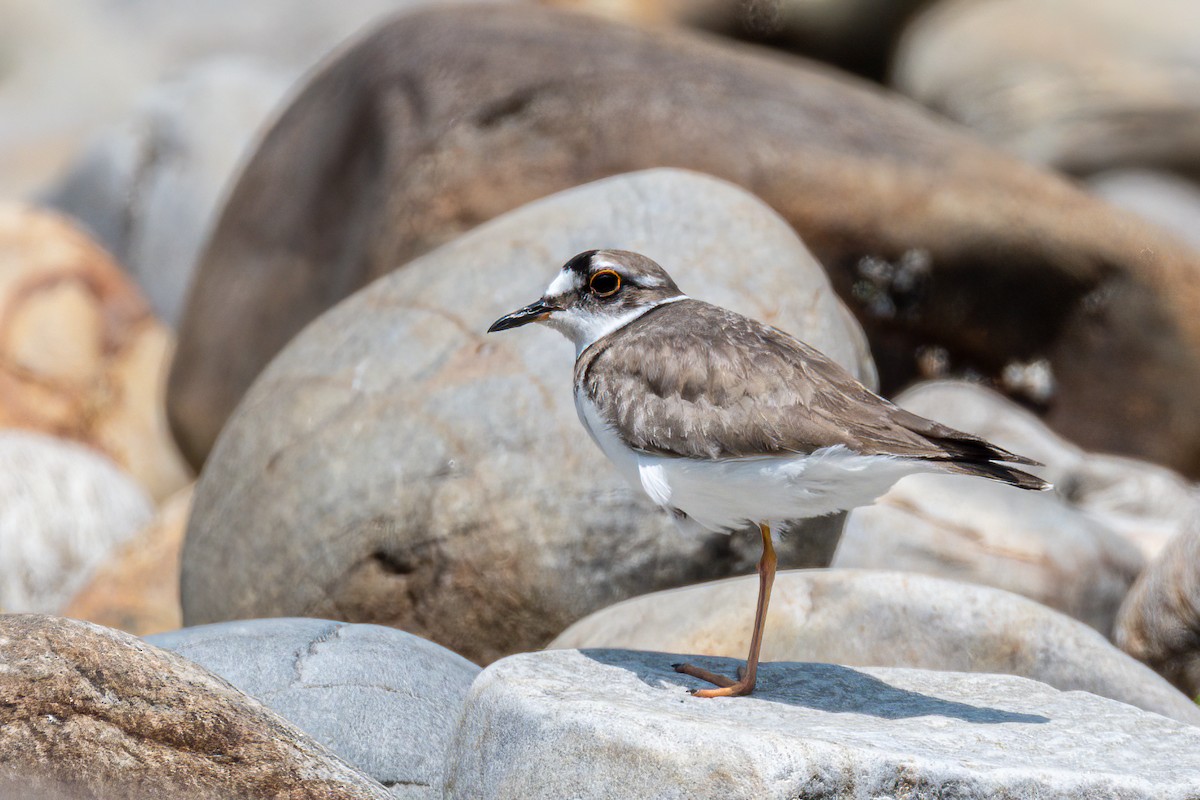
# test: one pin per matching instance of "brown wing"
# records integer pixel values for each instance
(693, 380)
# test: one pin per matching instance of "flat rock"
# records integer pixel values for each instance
(63, 509)
(1103, 84)
(883, 619)
(575, 724)
(149, 187)
(384, 700)
(1159, 622)
(89, 712)
(1145, 503)
(397, 465)
(136, 588)
(81, 355)
(940, 240)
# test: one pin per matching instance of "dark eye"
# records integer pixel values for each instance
(605, 283)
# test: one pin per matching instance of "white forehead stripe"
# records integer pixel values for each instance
(566, 281)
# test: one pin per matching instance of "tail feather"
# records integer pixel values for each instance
(999, 472)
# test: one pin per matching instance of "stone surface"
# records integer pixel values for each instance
(1169, 200)
(70, 67)
(397, 465)
(883, 619)
(384, 700)
(81, 356)
(1145, 503)
(984, 532)
(136, 589)
(854, 34)
(941, 240)
(89, 712)
(574, 724)
(63, 509)
(1082, 85)
(1159, 622)
(149, 187)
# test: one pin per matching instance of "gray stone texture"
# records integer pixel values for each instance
(384, 700)
(883, 619)
(445, 118)
(1169, 200)
(396, 464)
(577, 724)
(89, 713)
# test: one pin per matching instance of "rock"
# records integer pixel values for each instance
(1159, 622)
(983, 532)
(1102, 84)
(1145, 503)
(136, 589)
(397, 465)
(384, 700)
(883, 619)
(940, 240)
(81, 356)
(854, 34)
(92, 712)
(63, 509)
(570, 723)
(148, 188)
(1169, 200)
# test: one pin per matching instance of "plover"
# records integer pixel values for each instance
(726, 422)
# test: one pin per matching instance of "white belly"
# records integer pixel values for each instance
(728, 495)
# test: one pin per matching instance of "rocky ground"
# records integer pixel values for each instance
(249, 414)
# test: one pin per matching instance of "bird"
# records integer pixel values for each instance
(726, 422)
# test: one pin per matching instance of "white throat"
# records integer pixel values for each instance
(585, 329)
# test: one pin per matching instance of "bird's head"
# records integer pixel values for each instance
(595, 293)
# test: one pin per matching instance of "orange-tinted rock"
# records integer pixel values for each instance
(89, 712)
(81, 356)
(137, 588)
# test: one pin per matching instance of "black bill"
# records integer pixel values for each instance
(530, 313)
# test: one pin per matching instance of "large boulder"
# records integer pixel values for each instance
(1082, 85)
(81, 356)
(397, 465)
(63, 509)
(136, 587)
(576, 724)
(93, 713)
(384, 700)
(1159, 622)
(883, 619)
(445, 118)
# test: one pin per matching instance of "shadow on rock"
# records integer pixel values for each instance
(823, 687)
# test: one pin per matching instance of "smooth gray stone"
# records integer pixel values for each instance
(396, 464)
(884, 619)
(587, 724)
(384, 700)
(1164, 198)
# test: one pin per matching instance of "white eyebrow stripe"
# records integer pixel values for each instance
(566, 281)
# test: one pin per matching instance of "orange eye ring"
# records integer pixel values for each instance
(605, 283)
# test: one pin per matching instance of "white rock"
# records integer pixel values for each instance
(63, 508)
(590, 724)
(883, 619)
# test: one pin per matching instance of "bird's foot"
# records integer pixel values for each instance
(726, 687)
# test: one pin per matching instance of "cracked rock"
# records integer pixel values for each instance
(571, 723)
(384, 700)
(88, 713)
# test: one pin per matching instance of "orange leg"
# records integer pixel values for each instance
(748, 674)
